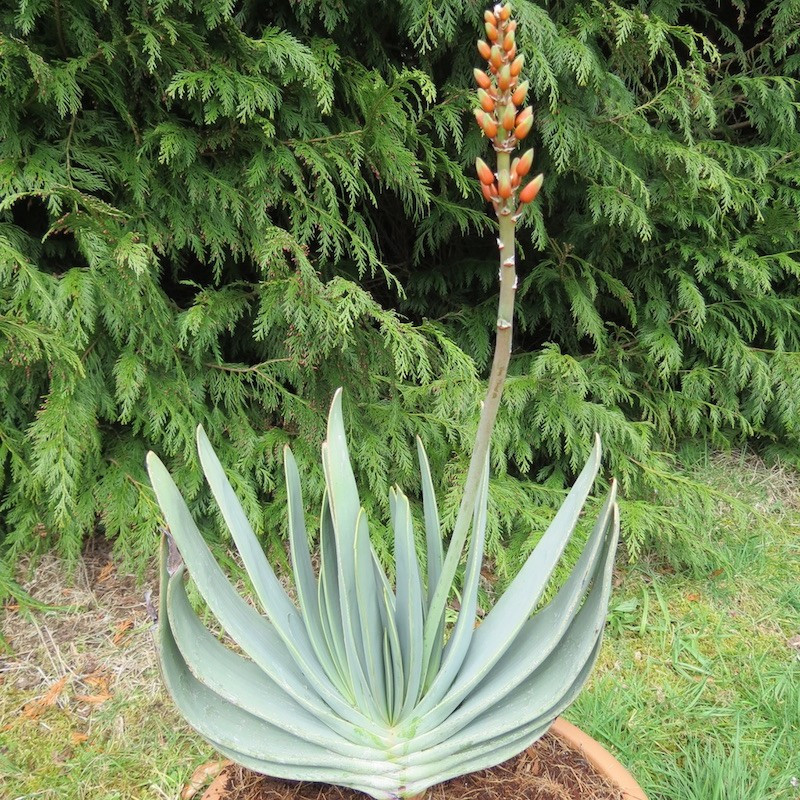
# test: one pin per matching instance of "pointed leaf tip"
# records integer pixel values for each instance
(201, 436)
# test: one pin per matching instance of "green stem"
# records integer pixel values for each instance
(491, 404)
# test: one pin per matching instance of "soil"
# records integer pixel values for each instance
(549, 770)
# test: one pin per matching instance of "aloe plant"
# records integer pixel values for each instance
(358, 682)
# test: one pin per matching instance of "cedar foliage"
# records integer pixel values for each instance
(215, 212)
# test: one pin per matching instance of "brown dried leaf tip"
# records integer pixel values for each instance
(500, 97)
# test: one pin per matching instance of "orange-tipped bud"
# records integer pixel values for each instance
(512, 26)
(491, 31)
(485, 175)
(496, 57)
(484, 49)
(524, 128)
(505, 12)
(504, 78)
(489, 17)
(515, 179)
(524, 163)
(481, 78)
(520, 93)
(489, 192)
(487, 104)
(508, 120)
(508, 41)
(523, 115)
(528, 194)
(516, 65)
(504, 185)
(489, 126)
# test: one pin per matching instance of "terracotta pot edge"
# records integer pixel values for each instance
(599, 758)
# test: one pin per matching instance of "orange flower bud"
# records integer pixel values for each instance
(520, 93)
(491, 31)
(524, 128)
(512, 26)
(496, 57)
(508, 41)
(487, 104)
(485, 175)
(481, 78)
(528, 194)
(489, 126)
(515, 179)
(524, 163)
(484, 49)
(511, 53)
(504, 185)
(523, 115)
(489, 17)
(508, 120)
(504, 78)
(505, 12)
(516, 65)
(489, 192)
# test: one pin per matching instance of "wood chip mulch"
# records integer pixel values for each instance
(549, 770)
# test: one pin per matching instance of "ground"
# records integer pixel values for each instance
(697, 689)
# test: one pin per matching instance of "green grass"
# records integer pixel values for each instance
(137, 747)
(697, 690)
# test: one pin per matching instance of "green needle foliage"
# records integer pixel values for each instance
(207, 213)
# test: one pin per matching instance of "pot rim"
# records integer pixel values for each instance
(599, 758)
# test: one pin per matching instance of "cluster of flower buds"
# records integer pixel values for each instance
(501, 95)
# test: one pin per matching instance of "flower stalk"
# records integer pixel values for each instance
(500, 93)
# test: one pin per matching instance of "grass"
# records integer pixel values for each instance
(697, 689)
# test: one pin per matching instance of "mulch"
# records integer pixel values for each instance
(549, 770)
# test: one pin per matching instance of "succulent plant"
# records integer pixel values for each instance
(359, 682)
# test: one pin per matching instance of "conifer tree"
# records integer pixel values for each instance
(220, 213)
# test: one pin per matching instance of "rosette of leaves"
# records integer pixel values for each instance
(360, 682)
(355, 685)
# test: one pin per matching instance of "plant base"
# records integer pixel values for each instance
(554, 768)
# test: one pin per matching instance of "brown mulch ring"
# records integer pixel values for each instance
(547, 771)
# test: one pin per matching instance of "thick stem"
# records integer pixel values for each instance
(502, 356)
(497, 377)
